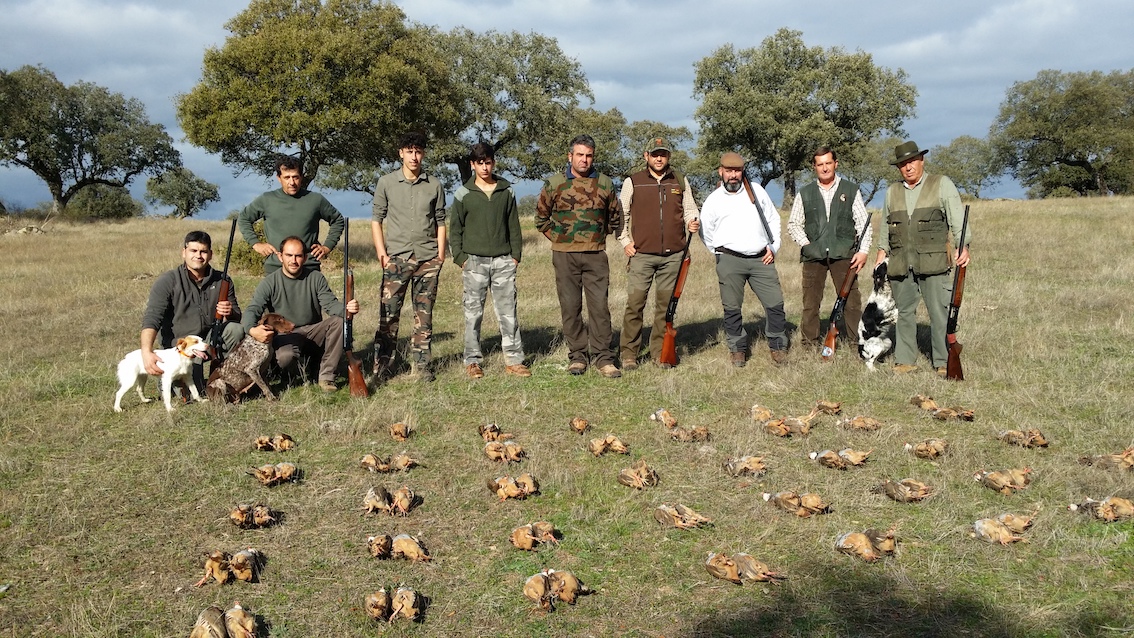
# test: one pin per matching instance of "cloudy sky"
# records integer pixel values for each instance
(962, 55)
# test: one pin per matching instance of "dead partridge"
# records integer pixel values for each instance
(537, 590)
(406, 603)
(489, 432)
(513, 452)
(751, 569)
(905, 490)
(615, 444)
(286, 472)
(565, 586)
(854, 457)
(402, 501)
(1016, 523)
(811, 504)
(787, 500)
(722, 567)
(264, 443)
(801, 425)
(885, 541)
(216, 567)
(544, 532)
(1120, 461)
(991, 530)
(664, 417)
(929, 449)
(630, 478)
(860, 424)
(638, 476)
(1021, 477)
(1109, 509)
(241, 516)
(597, 446)
(760, 413)
(263, 516)
(375, 463)
(924, 402)
(579, 424)
(523, 538)
(1030, 439)
(777, 427)
(245, 564)
(240, 623)
(410, 548)
(377, 499)
(829, 407)
(399, 431)
(857, 544)
(377, 604)
(998, 481)
(495, 451)
(745, 465)
(505, 487)
(527, 483)
(953, 413)
(829, 458)
(403, 462)
(266, 474)
(687, 514)
(283, 442)
(210, 624)
(379, 545)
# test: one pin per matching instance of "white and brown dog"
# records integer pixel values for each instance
(878, 318)
(176, 365)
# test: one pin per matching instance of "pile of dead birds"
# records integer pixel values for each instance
(549, 587)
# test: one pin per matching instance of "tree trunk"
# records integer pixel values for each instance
(789, 190)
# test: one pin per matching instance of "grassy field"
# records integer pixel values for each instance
(104, 517)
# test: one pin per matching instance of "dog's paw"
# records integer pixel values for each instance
(145, 400)
(118, 408)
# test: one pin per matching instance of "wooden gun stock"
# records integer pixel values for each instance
(953, 370)
(223, 295)
(668, 354)
(355, 378)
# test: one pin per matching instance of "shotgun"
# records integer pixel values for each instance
(668, 353)
(841, 301)
(357, 382)
(219, 321)
(760, 212)
(953, 370)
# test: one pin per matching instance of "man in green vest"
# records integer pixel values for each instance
(658, 213)
(921, 222)
(826, 219)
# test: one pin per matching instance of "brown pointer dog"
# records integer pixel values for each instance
(246, 365)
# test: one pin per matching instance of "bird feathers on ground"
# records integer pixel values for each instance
(679, 516)
(860, 424)
(375, 463)
(638, 476)
(240, 623)
(745, 465)
(829, 458)
(245, 565)
(409, 548)
(1109, 509)
(400, 431)
(402, 501)
(565, 586)
(379, 546)
(1024, 438)
(579, 424)
(828, 407)
(854, 457)
(537, 589)
(210, 624)
(751, 569)
(722, 567)
(377, 499)
(993, 531)
(760, 413)
(929, 449)
(664, 417)
(216, 567)
(906, 490)
(377, 604)
(406, 603)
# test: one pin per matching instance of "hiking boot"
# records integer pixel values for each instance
(328, 386)
(610, 371)
(779, 357)
(474, 371)
(629, 364)
(904, 368)
(737, 359)
(577, 368)
(942, 372)
(663, 366)
(518, 370)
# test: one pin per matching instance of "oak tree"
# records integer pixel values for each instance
(969, 161)
(182, 190)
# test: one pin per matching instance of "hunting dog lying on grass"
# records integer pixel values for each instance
(176, 365)
(246, 365)
(878, 318)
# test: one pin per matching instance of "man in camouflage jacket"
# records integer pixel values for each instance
(577, 209)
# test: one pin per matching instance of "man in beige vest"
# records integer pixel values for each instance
(921, 224)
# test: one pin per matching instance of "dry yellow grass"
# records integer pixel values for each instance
(103, 517)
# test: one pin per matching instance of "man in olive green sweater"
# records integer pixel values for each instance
(485, 238)
(290, 210)
(302, 296)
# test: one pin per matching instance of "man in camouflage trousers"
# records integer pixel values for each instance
(577, 209)
(409, 237)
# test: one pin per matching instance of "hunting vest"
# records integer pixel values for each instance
(919, 240)
(832, 238)
(657, 221)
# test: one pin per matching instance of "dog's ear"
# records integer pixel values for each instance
(182, 343)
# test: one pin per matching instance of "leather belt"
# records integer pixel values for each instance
(728, 251)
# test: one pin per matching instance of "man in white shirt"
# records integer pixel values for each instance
(742, 228)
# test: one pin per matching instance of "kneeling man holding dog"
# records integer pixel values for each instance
(302, 296)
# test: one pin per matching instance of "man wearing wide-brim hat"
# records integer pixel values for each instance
(921, 224)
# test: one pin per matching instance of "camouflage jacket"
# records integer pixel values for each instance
(577, 213)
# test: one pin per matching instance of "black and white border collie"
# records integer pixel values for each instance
(875, 331)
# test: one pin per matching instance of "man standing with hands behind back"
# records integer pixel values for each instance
(826, 219)
(410, 238)
(658, 212)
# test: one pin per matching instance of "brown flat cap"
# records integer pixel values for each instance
(905, 151)
(732, 160)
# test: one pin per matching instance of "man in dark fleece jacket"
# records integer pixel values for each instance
(302, 296)
(484, 233)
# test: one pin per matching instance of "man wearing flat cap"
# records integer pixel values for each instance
(658, 212)
(921, 224)
(742, 229)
